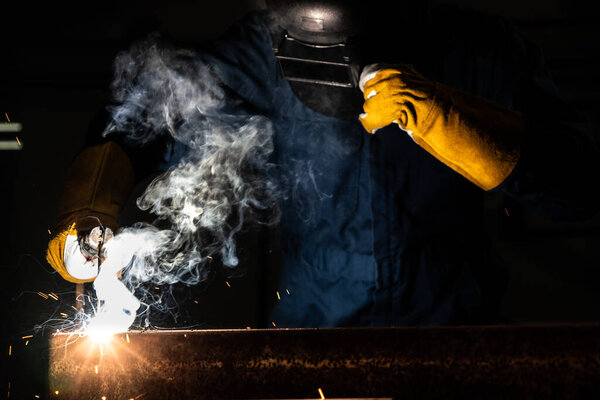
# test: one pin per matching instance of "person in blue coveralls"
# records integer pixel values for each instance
(430, 111)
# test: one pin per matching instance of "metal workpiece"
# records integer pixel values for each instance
(402, 363)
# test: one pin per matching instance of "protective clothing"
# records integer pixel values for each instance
(97, 186)
(477, 138)
(82, 252)
(376, 231)
(319, 22)
(76, 263)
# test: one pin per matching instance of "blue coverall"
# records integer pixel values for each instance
(376, 231)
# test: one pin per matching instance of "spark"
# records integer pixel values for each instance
(27, 337)
(209, 257)
(278, 297)
(64, 315)
(49, 233)
(44, 295)
(96, 369)
(506, 211)
(18, 141)
(56, 392)
(274, 324)
(227, 283)
(196, 301)
(127, 337)
(321, 394)
(54, 296)
(8, 119)
(103, 397)
(36, 396)
(26, 342)
(10, 350)
(139, 395)
(287, 291)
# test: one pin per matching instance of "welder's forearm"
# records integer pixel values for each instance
(477, 138)
(98, 183)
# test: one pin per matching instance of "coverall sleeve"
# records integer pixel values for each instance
(560, 157)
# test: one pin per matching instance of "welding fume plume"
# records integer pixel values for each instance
(220, 184)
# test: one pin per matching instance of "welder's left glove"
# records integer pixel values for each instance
(475, 137)
(97, 186)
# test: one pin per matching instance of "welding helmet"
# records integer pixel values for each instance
(321, 46)
(318, 22)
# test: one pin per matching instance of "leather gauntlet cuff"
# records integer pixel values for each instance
(477, 138)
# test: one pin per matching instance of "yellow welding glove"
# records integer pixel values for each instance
(97, 185)
(477, 138)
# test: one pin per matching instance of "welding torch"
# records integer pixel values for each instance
(92, 242)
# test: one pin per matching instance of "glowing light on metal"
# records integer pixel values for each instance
(117, 305)
(99, 333)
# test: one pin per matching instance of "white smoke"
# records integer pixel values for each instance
(218, 186)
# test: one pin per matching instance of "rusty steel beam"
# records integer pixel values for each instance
(402, 363)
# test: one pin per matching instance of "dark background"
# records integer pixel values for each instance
(55, 72)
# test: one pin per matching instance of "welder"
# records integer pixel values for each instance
(407, 117)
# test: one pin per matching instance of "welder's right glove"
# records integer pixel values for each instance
(97, 186)
(479, 139)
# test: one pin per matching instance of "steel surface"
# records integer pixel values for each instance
(461, 362)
